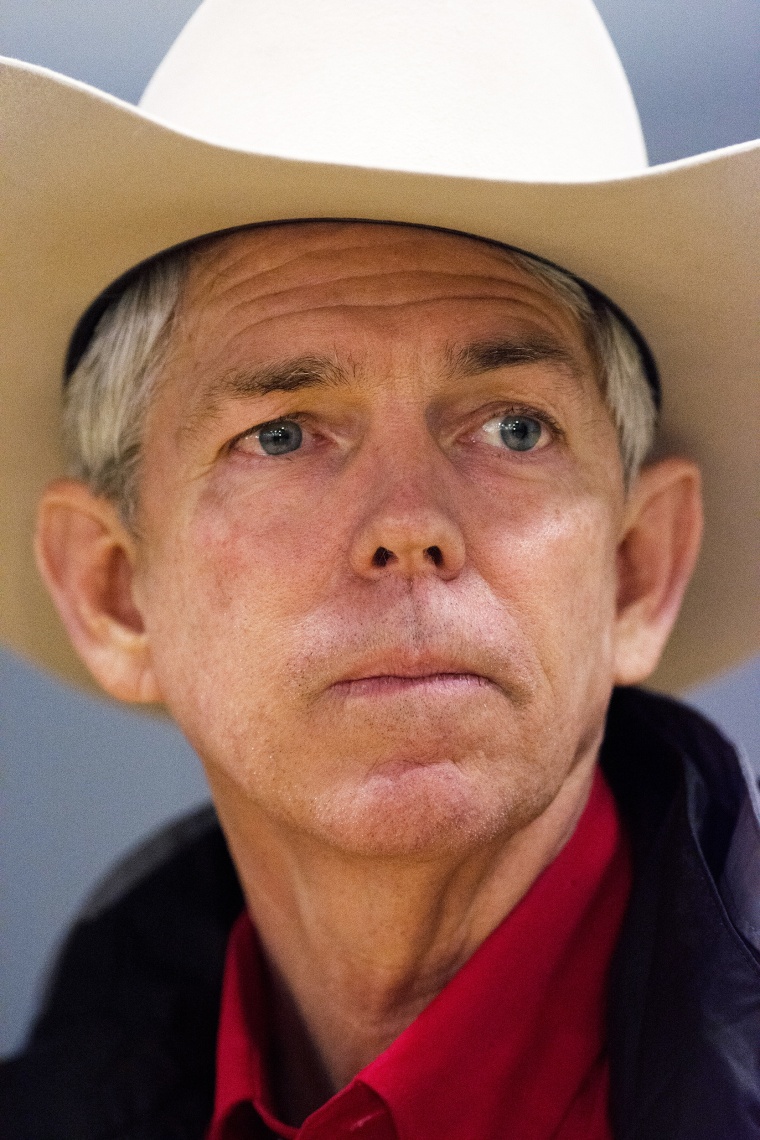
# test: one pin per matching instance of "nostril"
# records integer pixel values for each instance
(382, 556)
(435, 555)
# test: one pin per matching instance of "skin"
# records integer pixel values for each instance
(393, 648)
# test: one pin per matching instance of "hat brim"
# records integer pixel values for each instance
(89, 186)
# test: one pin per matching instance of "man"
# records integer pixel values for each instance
(363, 504)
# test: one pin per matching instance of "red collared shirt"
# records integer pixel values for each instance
(512, 1047)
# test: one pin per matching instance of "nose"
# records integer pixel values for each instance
(409, 532)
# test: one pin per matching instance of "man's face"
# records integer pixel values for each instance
(387, 620)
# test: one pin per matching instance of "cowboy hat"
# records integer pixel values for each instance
(508, 119)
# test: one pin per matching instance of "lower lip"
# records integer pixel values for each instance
(445, 684)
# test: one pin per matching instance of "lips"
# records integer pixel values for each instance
(396, 673)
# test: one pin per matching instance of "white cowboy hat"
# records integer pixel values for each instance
(509, 119)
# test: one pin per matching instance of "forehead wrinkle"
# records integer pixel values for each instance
(319, 243)
(283, 248)
(256, 292)
(344, 304)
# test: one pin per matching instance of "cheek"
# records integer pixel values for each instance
(553, 563)
(264, 556)
(228, 587)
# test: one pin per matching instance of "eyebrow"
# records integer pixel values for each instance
(489, 355)
(304, 372)
(247, 383)
(285, 376)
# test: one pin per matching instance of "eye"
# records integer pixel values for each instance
(277, 437)
(517, 432)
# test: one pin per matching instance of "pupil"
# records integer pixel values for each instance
(520, 433)
(280, 437)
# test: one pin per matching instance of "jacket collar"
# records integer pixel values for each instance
(685, 1001)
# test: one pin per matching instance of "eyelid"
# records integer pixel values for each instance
(539, 414)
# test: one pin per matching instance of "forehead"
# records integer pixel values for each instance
(295, 248)
(329, 277)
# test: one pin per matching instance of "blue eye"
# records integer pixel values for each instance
(280, 437)
(520, 433)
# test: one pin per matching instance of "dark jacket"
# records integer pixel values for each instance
(124, 1046)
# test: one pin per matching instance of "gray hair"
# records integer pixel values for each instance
(109, 391)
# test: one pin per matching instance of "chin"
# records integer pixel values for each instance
(408, 809)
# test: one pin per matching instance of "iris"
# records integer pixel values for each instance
(280, 436)
(520, 433)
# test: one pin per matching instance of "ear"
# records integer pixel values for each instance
(655, 559)
(87, 559)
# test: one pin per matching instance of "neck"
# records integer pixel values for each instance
(357, 947)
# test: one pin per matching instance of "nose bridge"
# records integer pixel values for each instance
(409, 527)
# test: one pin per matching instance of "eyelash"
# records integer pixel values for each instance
(514, 410)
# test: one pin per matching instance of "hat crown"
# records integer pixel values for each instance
(506, 89)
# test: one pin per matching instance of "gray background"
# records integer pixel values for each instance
(82, 780)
